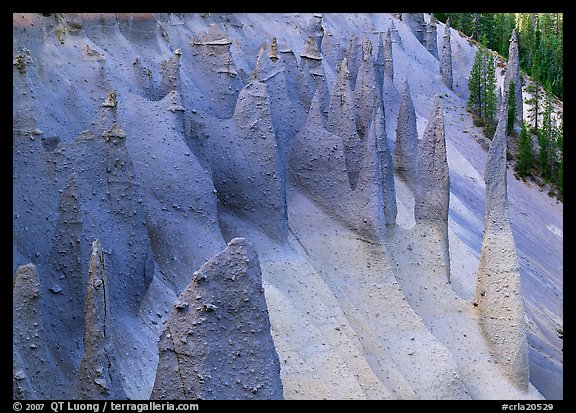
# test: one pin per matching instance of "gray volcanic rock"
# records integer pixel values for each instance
(213, 62)
(341, 122)
(513, 73)
(216, 342)
(432, 198)
(354, 57)
(430, 38)
(316, 30)
(395, 36)
(249, 178)
(367, 98)
(406, 149)
(378, 128)
(380, 62)
(170, 70)
(391, 98)
(317, 165)
(446, 57)
(332, 49)
(33, 366)
(96, 374)
(415, 21)
(312, 76)
(498, 290)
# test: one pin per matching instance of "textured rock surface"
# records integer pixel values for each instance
(97, 377)
(165, 136)
(33, 368)
(432, 198)
(446, 57)
(415, 21)
(406, 149)
(513, 73)
(366, 93)
(431, 37)
(498, 289)
(216, 342)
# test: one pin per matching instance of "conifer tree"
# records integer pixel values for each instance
(511, 108)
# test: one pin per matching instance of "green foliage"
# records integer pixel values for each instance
(482, 86)
(511, 108)
(540, 38)
(525, 153)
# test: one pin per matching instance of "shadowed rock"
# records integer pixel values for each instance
(388, 58)
(341, 122)
(312, 76)
(446, 57)
(33, 376)
(406, 149)
(415, 21)
(216, 343)
(354, 57)
(498, 290)
(378, 128)
(430, 38)
(316, 30)
(317, 165)
(380, 63)
(366, 94)
(513, 73)
(395, 36)
(96, 375)
(390, 96)
(213, 63)
(432, 196)
(332, 50)
(272, 74)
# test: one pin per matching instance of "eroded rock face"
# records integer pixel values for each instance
(446, 58)
(33, 367)
(432, 198)
(415, 21)
(513, 73)
(216, 342)
(406, 149)
(97, 371)
(430, 38)
(498, 290)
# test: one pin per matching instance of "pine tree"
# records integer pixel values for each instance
(511, 108)
(526, 153)
(475, 85)
(490, 87)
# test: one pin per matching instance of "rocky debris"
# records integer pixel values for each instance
(513, 73)
(96, 375)
(406, 149)
(32, 376)
(446, 57)
(220, 346)
(430, 38)
(366, 93)
(432, 198)
(416, 23)
(498, 290)
(390, 96)
(213, 62)
(341, 122)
